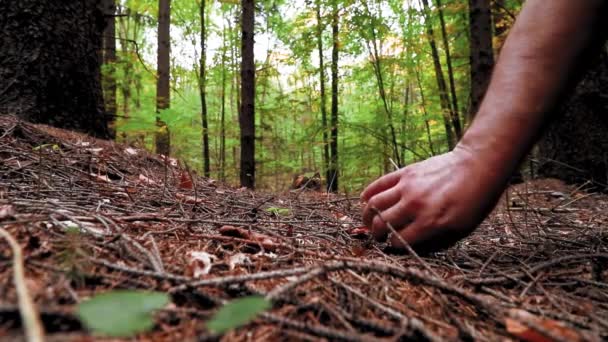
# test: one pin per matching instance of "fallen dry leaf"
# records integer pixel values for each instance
(185, 181)
(359, 232)
(6, 211)
(199, 263)
(515, 326)
(189, 199)
(101, 178)
(267, 242)
(145, 180)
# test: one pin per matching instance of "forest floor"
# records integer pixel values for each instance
(93, 216)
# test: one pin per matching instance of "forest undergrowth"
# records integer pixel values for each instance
(93, 216)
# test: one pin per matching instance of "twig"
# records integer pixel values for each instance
(31, 322)
(405, 243)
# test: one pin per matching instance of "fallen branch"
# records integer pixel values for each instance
(29, 315)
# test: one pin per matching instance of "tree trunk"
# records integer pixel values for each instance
(163, 99)
(481, 53)
(448, 58)
(202, 82)
(109, 60)
(50, 67)
(324, 126)
(575, 147)
(373, 49)
(332, 182)
(426, 115)
(441, 85)
(222, 172)
(247, 115)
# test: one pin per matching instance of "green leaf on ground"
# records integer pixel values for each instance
(278, 211)
(237, 313)
(121, 313)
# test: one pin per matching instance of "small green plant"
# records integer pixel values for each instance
(121, 313)
(237, 313)
(278, 211)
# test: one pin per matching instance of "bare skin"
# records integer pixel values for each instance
(434, 203)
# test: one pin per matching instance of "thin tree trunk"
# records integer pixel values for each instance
(374, 51)
(247, 117)
(426, 115)
(202, 83)
(222, 161)
(109, 60)
(441, 85)
(163, 99)
(333, 180)
(323, 98)
(446, 46)
(482, 56)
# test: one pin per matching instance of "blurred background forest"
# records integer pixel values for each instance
(403, 82)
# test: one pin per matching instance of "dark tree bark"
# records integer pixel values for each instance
(49, 63)
(247, 115)
(575, 147)
(324, 125)
(333, 163)
(444, 100)
(202, 83)
(481, 53)
(163, 93)
(109, 60)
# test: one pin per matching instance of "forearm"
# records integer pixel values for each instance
(537, 64)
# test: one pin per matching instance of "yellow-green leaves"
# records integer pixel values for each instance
(278, 211)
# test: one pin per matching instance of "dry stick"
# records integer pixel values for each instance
(126, 269)
(412, 323)
(407, 245)
(317, 330)
(280, 290)
(29, 316)
(156, 254)
(281, 273)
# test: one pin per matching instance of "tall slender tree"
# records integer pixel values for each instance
(163, 98)
(202, 84)
(109, 60)
(247, 114)
(333, 163)
(324, 125)
(374, 51)
(441, 85)
(448, 59)
(222, 154)
(481, 53)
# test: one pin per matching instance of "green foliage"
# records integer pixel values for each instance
(288, 120)
(278, 211)
(237, 313)
(121, 313)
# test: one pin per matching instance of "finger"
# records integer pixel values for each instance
(397, 216)
(379, 185)
(380, 202)
(424, 239)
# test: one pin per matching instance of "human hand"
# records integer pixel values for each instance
(434, 203)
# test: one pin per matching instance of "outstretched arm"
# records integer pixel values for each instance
(436, 202)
